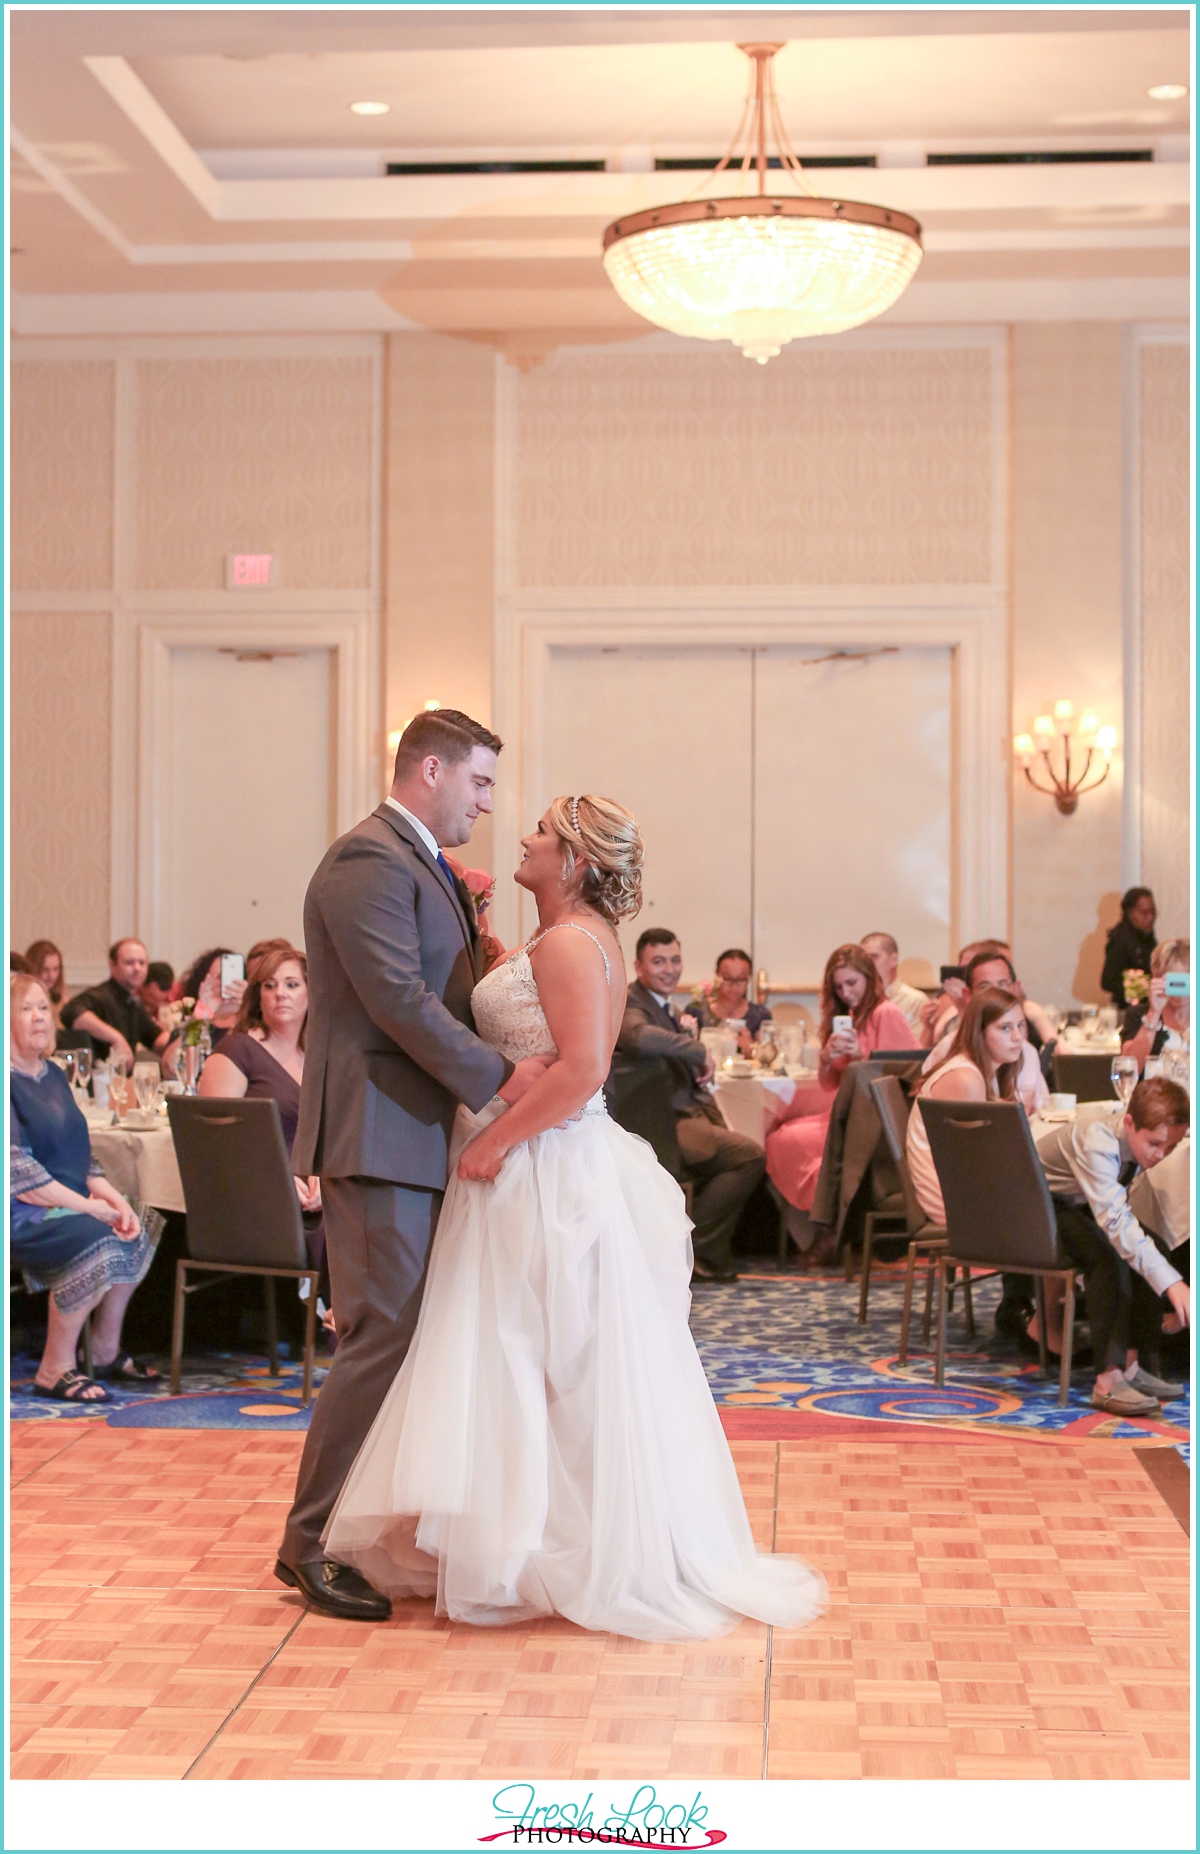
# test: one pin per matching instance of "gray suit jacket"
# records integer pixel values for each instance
(647, 1030)
(390, 1049)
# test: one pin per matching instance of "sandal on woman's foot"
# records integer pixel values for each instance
(72, 1387)
(124, 1369)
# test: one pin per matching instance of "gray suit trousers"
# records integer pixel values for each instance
(377, 1238)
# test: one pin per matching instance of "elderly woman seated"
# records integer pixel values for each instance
(71, 1231)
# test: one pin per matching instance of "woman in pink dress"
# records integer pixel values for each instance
(851, 988)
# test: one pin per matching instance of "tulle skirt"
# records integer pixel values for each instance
(550, 1445)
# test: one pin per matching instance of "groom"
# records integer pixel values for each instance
(393, 956)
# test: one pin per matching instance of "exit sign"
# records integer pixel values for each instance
(242, 570)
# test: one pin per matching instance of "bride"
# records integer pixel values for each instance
(550, 1445)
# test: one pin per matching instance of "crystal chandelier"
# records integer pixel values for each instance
(761, 269)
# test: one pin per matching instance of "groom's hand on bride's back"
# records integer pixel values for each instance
(530, 1069)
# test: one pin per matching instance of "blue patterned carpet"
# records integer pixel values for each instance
(785, 1357)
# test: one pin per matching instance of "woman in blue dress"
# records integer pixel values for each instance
(71, 1231)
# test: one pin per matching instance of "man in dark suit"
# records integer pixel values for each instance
(393, 956)
(724, 1167)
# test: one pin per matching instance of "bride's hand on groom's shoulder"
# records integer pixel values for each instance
(481, 1159)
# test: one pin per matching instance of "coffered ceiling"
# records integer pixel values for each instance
(182, 170)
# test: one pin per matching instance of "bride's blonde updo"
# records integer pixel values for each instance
(602, 834)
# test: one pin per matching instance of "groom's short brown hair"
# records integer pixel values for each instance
(446, 733)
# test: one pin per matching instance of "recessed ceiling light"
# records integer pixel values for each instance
(369, 109)
(1167, 93)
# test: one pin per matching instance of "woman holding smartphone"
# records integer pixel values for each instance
(856, 1019)
(1164, 1020)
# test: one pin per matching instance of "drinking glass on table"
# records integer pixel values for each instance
(1106, 1020)
(1087, 1020)
(1124, 1074)
(1177, 1067)
(83, 1069)
(146, 1077)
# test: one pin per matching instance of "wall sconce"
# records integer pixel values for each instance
(1068, 780)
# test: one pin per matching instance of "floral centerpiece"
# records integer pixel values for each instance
(1137, 985)
(187, 1020)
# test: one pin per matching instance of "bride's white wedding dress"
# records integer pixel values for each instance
(550, 1445)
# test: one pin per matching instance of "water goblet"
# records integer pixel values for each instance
(146, 1078)
(1087, 1020)
(83, 1069)
(1124, 1076)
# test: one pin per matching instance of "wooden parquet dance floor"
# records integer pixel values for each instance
(1008, 1609)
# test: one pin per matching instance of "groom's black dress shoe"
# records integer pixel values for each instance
(335, 1589)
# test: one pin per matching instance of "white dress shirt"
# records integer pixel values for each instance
(423, 831)
(1082, 1160)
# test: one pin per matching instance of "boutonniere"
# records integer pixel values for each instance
(478, 883)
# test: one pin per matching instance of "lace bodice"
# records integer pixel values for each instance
(507, 1009)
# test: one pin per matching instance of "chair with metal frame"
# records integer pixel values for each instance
(999, 1214)
(243, 1213)
(925, 1238)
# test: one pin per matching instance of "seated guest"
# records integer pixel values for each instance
(851, 988)
(202, 981)
(725, 998)
(71, 1231)
(978, 1063)
(906, 998)
(995, 970)
(112, 1014)
(1159, 1023)
(158, 986)
(1130, 943)
(45, 961)
(262, 1057)
(724, 1167)
(16, 962)
(1089, 1162)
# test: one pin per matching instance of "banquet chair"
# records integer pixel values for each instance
(243, 1214)
(999, 1213)
(1088, 1077)
(925, 1238)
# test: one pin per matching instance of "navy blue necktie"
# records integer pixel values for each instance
(446, 870)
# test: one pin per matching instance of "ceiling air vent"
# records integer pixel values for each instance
(495, 167)
(1046, 158)
(666, 164)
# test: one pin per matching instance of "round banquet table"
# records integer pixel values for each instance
(140, 1165)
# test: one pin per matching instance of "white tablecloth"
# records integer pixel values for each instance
(751, 1104)
(141, 1165)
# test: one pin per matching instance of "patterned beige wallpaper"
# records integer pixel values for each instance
(1165, 400)
(854, 467)
(60, 675)
(254, 455)
(62, 475)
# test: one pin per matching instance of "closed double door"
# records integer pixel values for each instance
(790, 798)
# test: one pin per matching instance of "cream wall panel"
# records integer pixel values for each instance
(59, 793)
(253, 454)
(61, 465)
(1067, 640)
(1164, 401)
(864, 465)
(439, 526)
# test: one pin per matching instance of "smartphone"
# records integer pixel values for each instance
(843, 1026)
(954, 972)
(1178, 984)
(233, 967)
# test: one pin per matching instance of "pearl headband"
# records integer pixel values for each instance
(575, 816)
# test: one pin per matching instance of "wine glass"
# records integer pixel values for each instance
(1087, 1020)
(1106, 1020)
(1124, 1075)
(83, 1069)
(1177, 1067)
(145, 1083)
